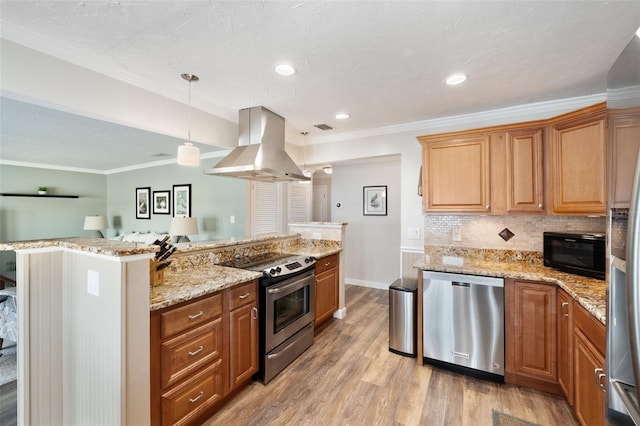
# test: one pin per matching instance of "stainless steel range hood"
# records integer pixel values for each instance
(260, 154)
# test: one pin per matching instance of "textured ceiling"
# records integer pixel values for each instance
(382, 62)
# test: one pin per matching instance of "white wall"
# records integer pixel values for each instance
(372, 242)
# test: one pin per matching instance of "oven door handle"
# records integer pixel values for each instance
(293, 286)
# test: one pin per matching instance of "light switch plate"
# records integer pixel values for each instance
(413, 233)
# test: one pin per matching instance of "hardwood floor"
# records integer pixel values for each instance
(349, 377)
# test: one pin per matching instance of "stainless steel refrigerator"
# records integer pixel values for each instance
(623, 291)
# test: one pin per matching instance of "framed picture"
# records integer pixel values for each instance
(161, 202)
(374, 200)
(182, 200)
(143, 209)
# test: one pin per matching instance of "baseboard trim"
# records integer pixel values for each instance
(369, 284)
(340, 313)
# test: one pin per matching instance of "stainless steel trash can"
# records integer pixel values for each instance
(402, 316)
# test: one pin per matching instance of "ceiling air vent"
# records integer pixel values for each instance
(323, 126)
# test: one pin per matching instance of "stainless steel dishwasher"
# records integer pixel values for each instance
(463, 323)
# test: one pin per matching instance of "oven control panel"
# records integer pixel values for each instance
(291, 267)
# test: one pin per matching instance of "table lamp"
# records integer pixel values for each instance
(183, 226)
(96, 223)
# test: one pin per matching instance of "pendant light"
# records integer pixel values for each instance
(189, 155)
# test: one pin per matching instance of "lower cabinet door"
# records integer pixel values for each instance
(244, 344)
(588, 397)
(186, 401)
(326, 295)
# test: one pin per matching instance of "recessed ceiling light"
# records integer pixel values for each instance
(284, 69)
(342, 116)
(454, 79)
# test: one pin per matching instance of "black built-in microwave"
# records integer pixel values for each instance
(577, 253)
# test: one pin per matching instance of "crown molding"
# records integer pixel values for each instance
(528, 112)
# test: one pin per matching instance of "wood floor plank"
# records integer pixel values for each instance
(349, 377)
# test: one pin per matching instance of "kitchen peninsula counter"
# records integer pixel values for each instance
(588, 292)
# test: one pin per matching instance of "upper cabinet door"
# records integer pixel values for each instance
(456, 174)
(624, 140)
(525, 171)
(579, 157)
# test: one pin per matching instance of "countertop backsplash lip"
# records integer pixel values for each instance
(588, 292)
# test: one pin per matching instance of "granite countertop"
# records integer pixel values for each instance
(190, 283)
(90, 245)
(588, 292)
(187, 285)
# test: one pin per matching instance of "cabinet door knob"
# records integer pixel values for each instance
(540, 205)
(487, 207)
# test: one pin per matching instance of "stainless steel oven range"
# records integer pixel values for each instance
(286, 308)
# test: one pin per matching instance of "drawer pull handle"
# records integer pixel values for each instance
(200, 395)
(254, 313)
(244, 296)
(198, 315)
(563, 306)
(327, 264)
(197, 351)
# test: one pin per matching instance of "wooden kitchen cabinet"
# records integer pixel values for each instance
(243, 334)
(456, 175)
(589, 368)
(202, 350)
(326, 293)
(565, 344)
(578, 163)
(525, 189)
(624, 142)
(530, 334)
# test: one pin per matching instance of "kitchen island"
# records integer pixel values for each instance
(83, 319)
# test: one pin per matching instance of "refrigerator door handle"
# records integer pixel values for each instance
(632, 285)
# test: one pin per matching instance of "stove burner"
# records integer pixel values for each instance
(273, 264)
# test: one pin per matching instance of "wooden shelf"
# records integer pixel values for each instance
(40, 196)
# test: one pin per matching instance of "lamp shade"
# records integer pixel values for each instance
(188, 155)
(92, 223)
(183, 226)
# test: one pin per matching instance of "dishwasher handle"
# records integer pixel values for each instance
(460, 284)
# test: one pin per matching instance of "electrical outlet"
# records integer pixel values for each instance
(456, 235)
(93, 282)
(232, 219)
(317, 235)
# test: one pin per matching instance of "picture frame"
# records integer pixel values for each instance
(143, 200)
(374, 200)
(162, 202)
(182, 200)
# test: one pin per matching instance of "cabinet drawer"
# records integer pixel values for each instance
(188, 400)
(242, 295)
(188, 352)
(590, 326)
(326, 263)
(191, 315)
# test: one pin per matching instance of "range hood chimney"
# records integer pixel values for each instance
(260, 154)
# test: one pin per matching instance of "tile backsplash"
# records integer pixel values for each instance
(482, 231)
